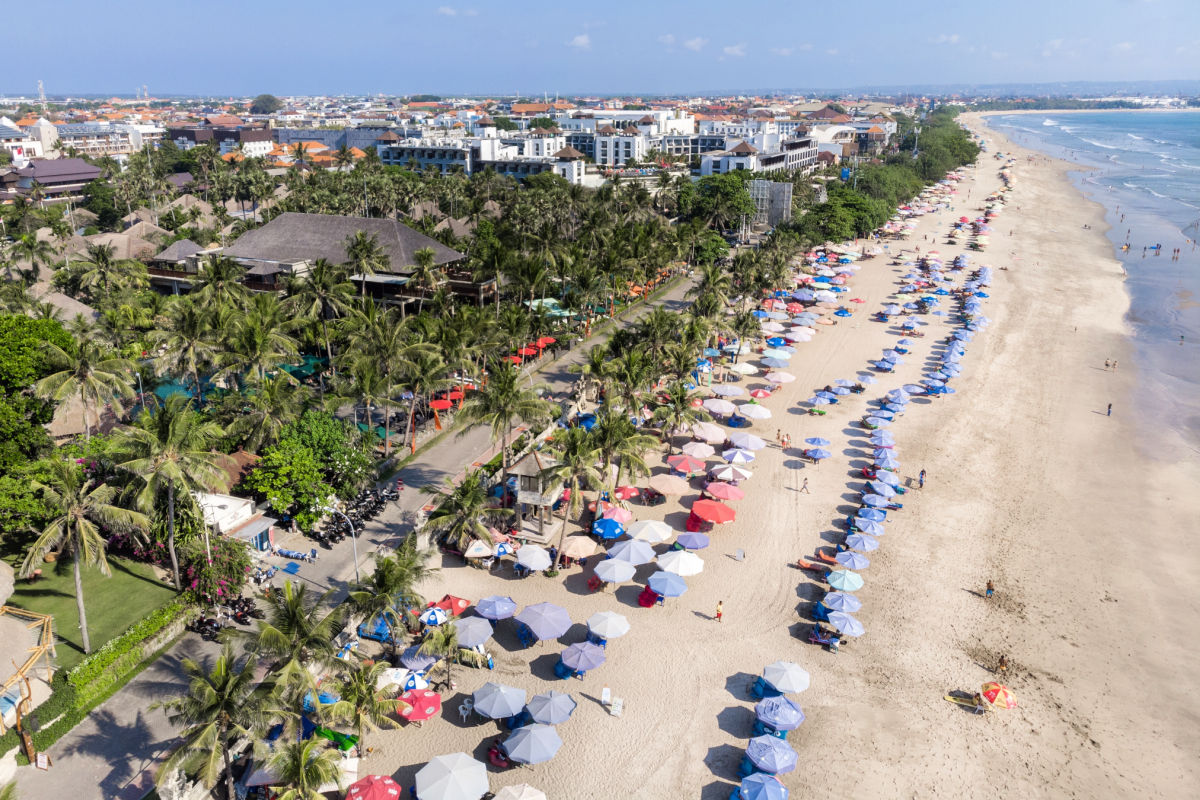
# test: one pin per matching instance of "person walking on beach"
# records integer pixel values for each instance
(804, 487)
(989, 590)
(1114, 365)
(1109, 413)
(1107, 364)
(779, 437)
(720, 609)
(1002, 665)
(921, 480)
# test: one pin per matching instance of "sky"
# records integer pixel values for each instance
(447, 47)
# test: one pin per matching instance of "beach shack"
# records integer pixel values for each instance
(535, 497)
(237, 518)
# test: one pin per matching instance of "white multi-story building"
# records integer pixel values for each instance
(616, 148)
(105, 138)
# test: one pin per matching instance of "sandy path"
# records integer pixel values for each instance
(1024, 489)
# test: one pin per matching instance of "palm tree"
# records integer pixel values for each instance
(631, 374)
(425, 275)
(78, 505)
(323, 292)
(303, 767)
(595, 367)
(220, 282)
(221, 706)
(441, 641)
(461, 511)
(92, 374)
(187, 345)
(503, 403)
(172, 449)
(365, 256)
(392, 586)
(268, 407)
(620, 445)
(678, 413)
(298, 629)
(359, 703)
(261, 342)
(577, 455)
(101, 269)
(28, 247)
(343, 157)
(424, 374)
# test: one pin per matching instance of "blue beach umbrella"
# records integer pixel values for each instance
(819, 454)
(844, 382)
(846, 624)
(412, 659)
(614, 570)
(840, 601)
(841, 312)
(772, 755)
(827, 396)
(894, 408)
(583, 656)
(692, 540)
(869, 526)
(553, 708)
(759, 313)
(851, 560)
(776, 341)
(472, 631)
(862, 541)
(776, 352)
(780, 712)
(883, 439)
(873, 514)
(867, 379)
(545, 621)
(887, 461)
(818, 401)
(877, 422)
(608, 529)
(845, 581)
(913, 388)
(883, 413)
(875, 501)
(633, 551)
(496, 607)
(668, 584)
(840, 390)
(711, 352)
(774, 363)
(882, 489)
(532, 744)
(817, 441)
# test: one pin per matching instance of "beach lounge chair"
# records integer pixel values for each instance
(825, 640)
(606, 697)
(617, 706)
(808, 565)
(292, 568)
(763, 729)
(828, 558)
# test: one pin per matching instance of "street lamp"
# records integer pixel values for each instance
(353, 539)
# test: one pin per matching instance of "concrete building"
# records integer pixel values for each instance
(772, 202)
(18, 143)
(107, 139)
(254, 142)
(763, 153)
(56, 179)
(476, 154)
(615, 148)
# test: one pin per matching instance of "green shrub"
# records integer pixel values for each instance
(110, 665)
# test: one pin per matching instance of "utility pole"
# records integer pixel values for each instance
(42, 95)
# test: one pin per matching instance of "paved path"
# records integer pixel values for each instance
(113, 754)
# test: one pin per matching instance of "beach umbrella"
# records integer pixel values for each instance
(497, 701)
(844, 623)
(897, 396)
(773, 352)
(692, 540)
(873, 514)
(760, 394)
(534, 558)
(772, 327)
(845, 581)
(884, 414)
(747, 441)
(668, 584)
(867, 379)
(730, 472)
(685, 464)
(503, 549)
(780, 712)
(415, 660)
(522, 791)
(997, 695)
(887, 461)
(606, 529)
(883, 439)
(840, 601)
(618, 514)
(626, 492)
(728, 390)
(754, 411)
(417, 705)
(578, 547)
(759, 786)
(817, 441)
(851, 560)
(716, 405)
(551, 708)
(890, 478)
(712, 511)
(774, 363)
(779, 377)
(770, 754)
(775, 341)
(533, 744)
(830, 396)
(893, 409)
(875, 501)
(669, 485)
(607, 625)
(583, 656)
(723, 491)
(682, 562)
(863, 541)
(434, 616)
(472, 631)
(786, 677)
(819, 401)
(614, 570)
(456, 776)
(882, 489)
(374, 787)
(545, 620)
(840, 391)
(496, 607)
(818, 454)
(913, 388)
(405, 679)
(743, 368)
(736, 455)
(707, 432)
(651, 530)
(633, 552)
(711, 352)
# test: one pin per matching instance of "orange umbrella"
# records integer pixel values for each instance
(416, 705)
(712, 511)
(997, 695)
(527, 351)
(439, 405)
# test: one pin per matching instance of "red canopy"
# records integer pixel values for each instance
(527, 351)
(455, 395)
(418, 704)
(685, 463)
(374, 787)
(626, 492)
(452, 604)
(724, 491)
(712, 511)
(440, 405)
(514, 359)
(545, 340)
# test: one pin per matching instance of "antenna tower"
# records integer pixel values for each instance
(42, 96)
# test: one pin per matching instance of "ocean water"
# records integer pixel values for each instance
(1144, 167)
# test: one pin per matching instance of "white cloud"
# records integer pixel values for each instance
(1053, 46)
(946, 38)
(447, 11)
(782, 51)
(696, 44)
(581, 42)
(831, 51)
(738, 50)
(667, 38)
(1123, 47)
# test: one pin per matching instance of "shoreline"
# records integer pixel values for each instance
(1156, 109)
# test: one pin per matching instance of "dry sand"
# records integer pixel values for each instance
(1030, 485)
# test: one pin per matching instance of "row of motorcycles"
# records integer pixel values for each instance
(360, 510)
(243, 611)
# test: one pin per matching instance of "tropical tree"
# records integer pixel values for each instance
(365, 256)
(420, 376)
(298, 630)
(392, 587)
(170, 449)
(359, 702)
(261, 341)
(102, 269)
(303, 767)
(577, 455)
(676, 412)
(187, 344)
(595, 368)
(222, 705)
(441, 641)
(503, 403)
(220, 282)
(321, 294)
(462, 511)
(620, 445)
(94, 375)
(425, 275)
(80, 508)
(265, 409)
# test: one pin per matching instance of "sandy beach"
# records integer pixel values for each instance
(1030, 485)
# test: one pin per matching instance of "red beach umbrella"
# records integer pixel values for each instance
(626, 492)
(441, 405)
(759, 394)
(685, 464)
(416, 705)
(545, 340)
(374, 787)
(712, 511)
(527, 351)
(514, 359)
(724, 491)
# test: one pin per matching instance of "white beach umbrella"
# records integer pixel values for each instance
(730, 472)
(718, 406)
(728, 390)
(700, 450)
(652, 531)
(708, 432)
(682, 562)
(746, 441)
(456, 776)
(754, 411)
(608, 624)
(742, 368)
(780, 377)
(533, 557)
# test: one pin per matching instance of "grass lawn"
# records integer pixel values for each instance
(113, 603)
